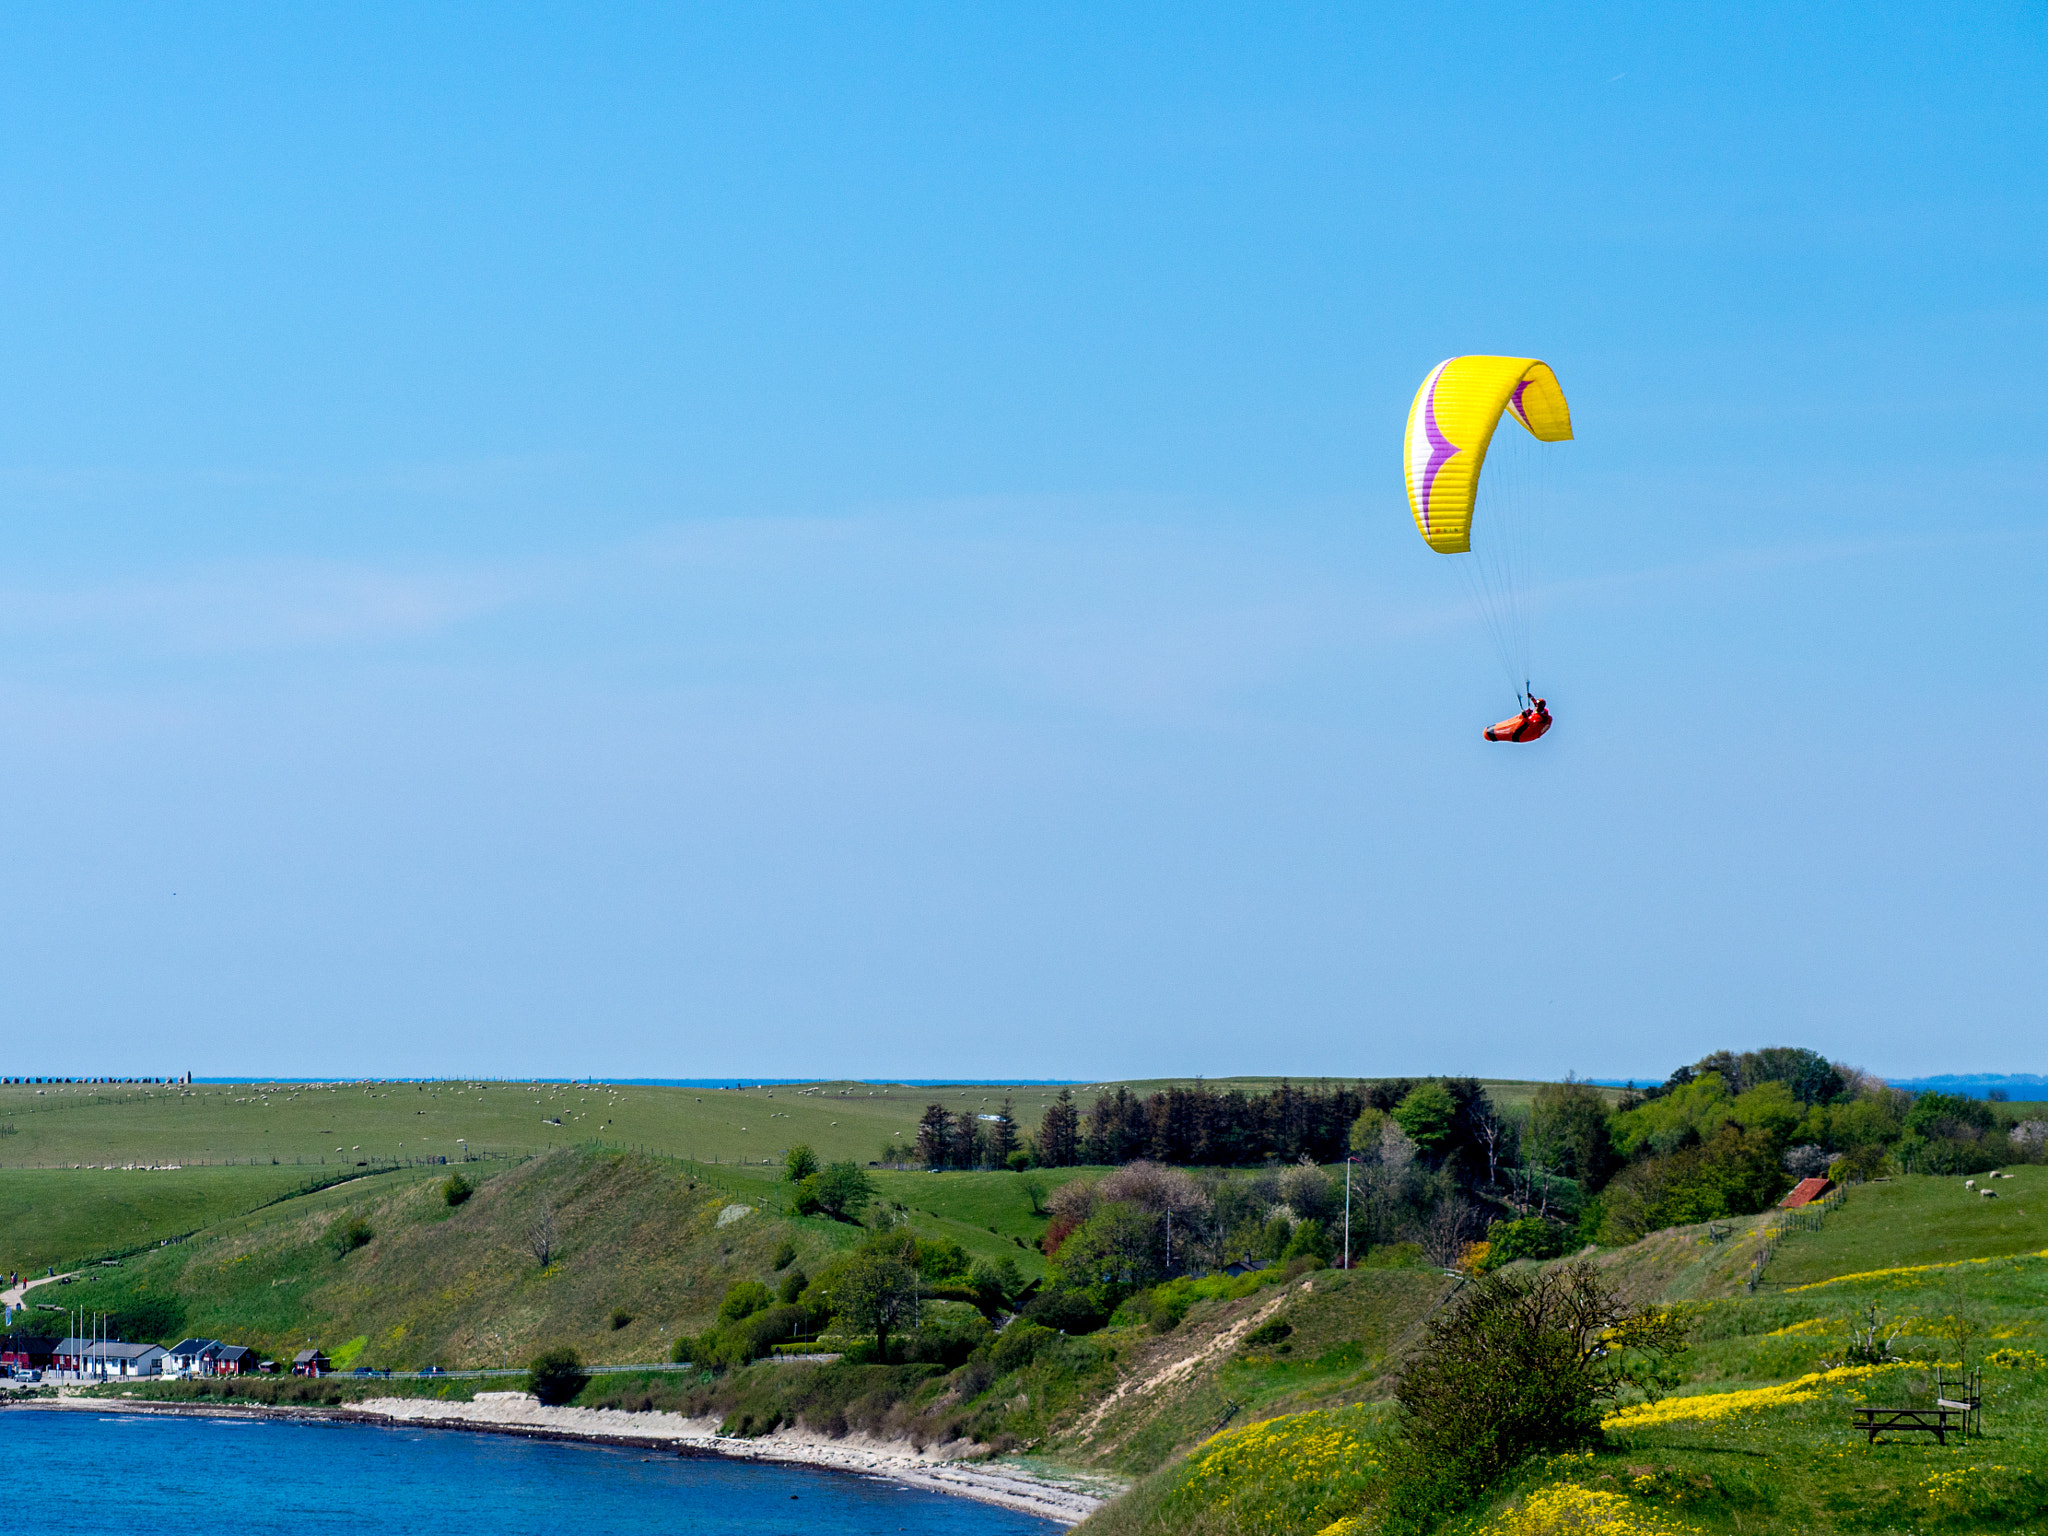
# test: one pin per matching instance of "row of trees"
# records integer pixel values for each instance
(1190, 1127)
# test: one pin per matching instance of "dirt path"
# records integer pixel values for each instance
(14, 1297)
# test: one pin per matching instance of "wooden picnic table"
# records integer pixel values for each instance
(1936, 1421)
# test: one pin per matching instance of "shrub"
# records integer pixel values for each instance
(556, 1376)
(1529, 1238)
(348, 1233)
(1017, 1344)
(1266, 1335)
(785, 1255)
(799, 1163)
(1519, 1363)
(1018, 1161)
(1310, 1240)
(792, 1287)
(839, 1190)
(457, 1189)
(995, 1285)
(1067, 1311)
(620, 1318)
(743, 1298)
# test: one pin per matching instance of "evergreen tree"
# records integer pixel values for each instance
(1059, 1133)
(935, 1137)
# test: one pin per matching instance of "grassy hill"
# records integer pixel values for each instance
(56, 1125)
(1758, 1437)
(55, 1218)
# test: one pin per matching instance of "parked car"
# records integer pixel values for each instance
(368, 1370)
(432, 1370)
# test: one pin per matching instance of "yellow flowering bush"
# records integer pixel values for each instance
(1715, 1405)
(2015, 1359)
(1566, 1509)
(1280, 1476)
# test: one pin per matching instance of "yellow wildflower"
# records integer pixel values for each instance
(1910, 1269)
(1714, 1405)
(1566, 1509)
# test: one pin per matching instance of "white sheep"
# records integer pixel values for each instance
(1969, 1183)
(1988, 1194)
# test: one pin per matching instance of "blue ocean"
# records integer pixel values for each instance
(169, 1476)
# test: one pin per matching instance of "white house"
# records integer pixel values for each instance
(193, 1357)
(108, 1358)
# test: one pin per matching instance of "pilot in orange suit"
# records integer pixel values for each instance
(1527, 726)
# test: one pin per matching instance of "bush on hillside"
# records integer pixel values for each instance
(556, 1377)
(839, 1190)
(1070, 1312)
(1017, 1345)
(743, 1298)
(799, 1163)
(348, 1233)
(1529, 1238)
(457, 1189)
(1518, 1363)
(792, 1287)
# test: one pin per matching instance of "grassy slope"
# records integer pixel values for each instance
(61, 1217)
(458, 1287)
(1799, 1467)
(299, 1123)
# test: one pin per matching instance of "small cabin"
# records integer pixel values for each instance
(311, 1362)
(26, 1352)
(236, 1360)
(1805, 1192)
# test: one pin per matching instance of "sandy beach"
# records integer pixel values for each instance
(937, 1467)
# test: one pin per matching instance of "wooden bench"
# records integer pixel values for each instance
(1936, 1421)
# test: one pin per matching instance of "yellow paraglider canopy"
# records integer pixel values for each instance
(1450, 425)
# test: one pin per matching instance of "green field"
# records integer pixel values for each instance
(61, 1217)
(1919, 1221)
(316, 1124)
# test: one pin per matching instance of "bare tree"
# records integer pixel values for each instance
(1447, 1229)
(1498, 1134)
(540, 1237)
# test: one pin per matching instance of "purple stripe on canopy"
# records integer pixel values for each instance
(1441, 450)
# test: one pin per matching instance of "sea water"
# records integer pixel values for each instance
(167, 1475)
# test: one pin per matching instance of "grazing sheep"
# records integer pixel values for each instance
(1969, 1183)
(1988, 1194)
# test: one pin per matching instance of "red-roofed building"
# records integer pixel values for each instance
(1805, 1192)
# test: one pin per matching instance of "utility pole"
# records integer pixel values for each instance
(1347, 1211)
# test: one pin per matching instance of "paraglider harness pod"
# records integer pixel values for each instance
(1527, 726)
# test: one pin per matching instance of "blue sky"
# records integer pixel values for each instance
(803, 540)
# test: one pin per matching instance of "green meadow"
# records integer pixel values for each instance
(323, 1124)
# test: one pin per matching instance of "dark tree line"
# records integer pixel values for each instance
(1203, 1127)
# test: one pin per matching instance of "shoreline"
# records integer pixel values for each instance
(516, 1413)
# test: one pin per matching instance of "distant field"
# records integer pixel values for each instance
(315, 1125)
(1918, 1220)
(58, 1217)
